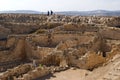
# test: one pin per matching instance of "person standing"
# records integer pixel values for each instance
(48, 13)
(51, 12)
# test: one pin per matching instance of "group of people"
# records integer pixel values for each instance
(50, 13)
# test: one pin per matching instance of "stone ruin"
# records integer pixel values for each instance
(58, 43)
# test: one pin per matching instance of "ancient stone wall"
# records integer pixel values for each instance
(111, 33)
(15, 72)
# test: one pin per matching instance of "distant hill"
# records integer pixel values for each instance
(22, 11)
(91, 13)
(82, 13)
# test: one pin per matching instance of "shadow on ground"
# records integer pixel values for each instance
(46, 77)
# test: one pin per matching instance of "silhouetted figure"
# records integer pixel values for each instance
(51, 12)
(48, 13)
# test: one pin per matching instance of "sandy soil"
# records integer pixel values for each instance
(70, 74)
(111, 71)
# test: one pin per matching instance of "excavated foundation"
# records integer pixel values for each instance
(49, 44)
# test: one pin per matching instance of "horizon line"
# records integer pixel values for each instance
(61, 10)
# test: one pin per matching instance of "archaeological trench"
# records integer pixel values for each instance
(33, 46)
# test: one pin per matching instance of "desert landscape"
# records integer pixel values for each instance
(59, 47)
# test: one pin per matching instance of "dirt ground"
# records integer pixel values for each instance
(111, 71)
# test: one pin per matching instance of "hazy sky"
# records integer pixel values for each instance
(59, 5)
